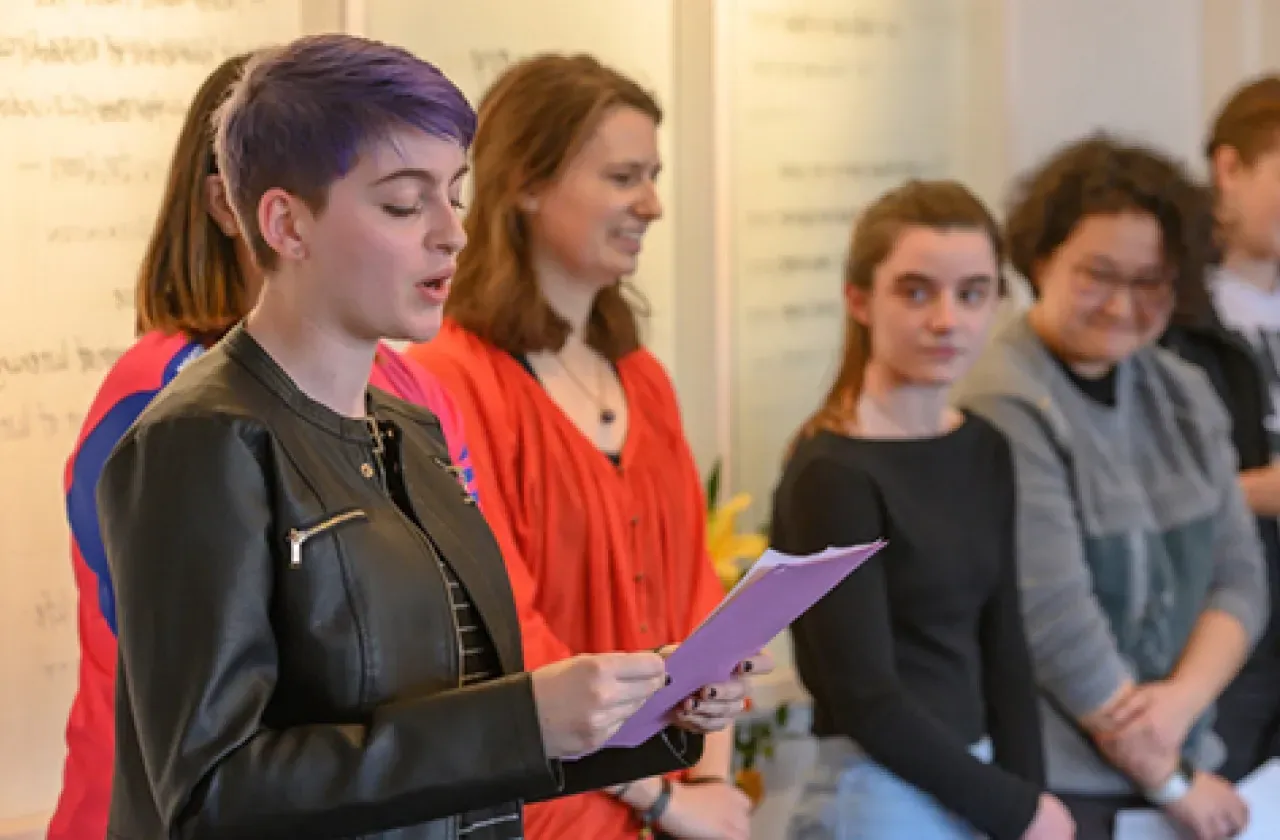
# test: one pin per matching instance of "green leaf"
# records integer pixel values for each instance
(713, 486)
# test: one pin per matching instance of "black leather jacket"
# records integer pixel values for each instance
(289, 665)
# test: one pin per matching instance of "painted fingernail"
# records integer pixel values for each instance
(746, 705)
(711, 694)
(748, 667)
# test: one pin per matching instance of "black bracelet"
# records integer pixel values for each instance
(659, 807)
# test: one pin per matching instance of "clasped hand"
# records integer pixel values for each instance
(1144, 733)
(584, 700)
(1144, 736)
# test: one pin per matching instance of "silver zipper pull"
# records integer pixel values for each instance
(295, 548)
(298, 536)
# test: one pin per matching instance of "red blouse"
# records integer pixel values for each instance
(602, 557)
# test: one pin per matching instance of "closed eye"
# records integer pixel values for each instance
(402, 212)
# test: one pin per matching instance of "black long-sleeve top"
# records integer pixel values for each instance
(920, 652)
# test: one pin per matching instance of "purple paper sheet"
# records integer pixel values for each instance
(740, 629)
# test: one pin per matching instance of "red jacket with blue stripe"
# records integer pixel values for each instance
(135, 379)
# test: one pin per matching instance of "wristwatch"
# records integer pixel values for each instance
(1175, 787)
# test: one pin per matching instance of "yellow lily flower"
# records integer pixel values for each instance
(732, 552)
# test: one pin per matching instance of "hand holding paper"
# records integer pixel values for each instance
(776, 591)
(716, 706)
(582, 700)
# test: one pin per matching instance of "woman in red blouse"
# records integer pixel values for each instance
(581, 464)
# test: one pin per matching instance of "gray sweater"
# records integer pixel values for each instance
(1130, 525)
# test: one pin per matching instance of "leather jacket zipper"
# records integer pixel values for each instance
(460, 655)
(435, 560)
(298, 536)
(379, 453)
(433, 557)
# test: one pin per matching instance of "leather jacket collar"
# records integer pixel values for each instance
(246, 350)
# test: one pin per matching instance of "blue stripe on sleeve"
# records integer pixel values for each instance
(82, 505)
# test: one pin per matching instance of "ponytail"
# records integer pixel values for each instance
(930, 204)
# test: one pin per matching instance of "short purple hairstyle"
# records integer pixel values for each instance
(301, 114)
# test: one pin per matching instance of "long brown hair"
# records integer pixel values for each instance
(941, 205)
(532, 122)
(190, 280)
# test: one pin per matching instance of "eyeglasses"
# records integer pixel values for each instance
(1097, 284)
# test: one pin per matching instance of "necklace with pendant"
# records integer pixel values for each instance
(607, 414)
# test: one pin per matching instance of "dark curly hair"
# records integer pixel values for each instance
(1102, 175)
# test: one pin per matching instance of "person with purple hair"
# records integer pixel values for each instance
(317, 637)
(196, 280)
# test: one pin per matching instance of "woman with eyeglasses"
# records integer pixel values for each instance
(1142, 576)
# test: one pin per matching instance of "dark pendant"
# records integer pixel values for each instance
(607, 416)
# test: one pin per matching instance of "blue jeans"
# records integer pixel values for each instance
(849, 797)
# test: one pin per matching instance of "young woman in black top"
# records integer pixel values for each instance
(922, 685)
